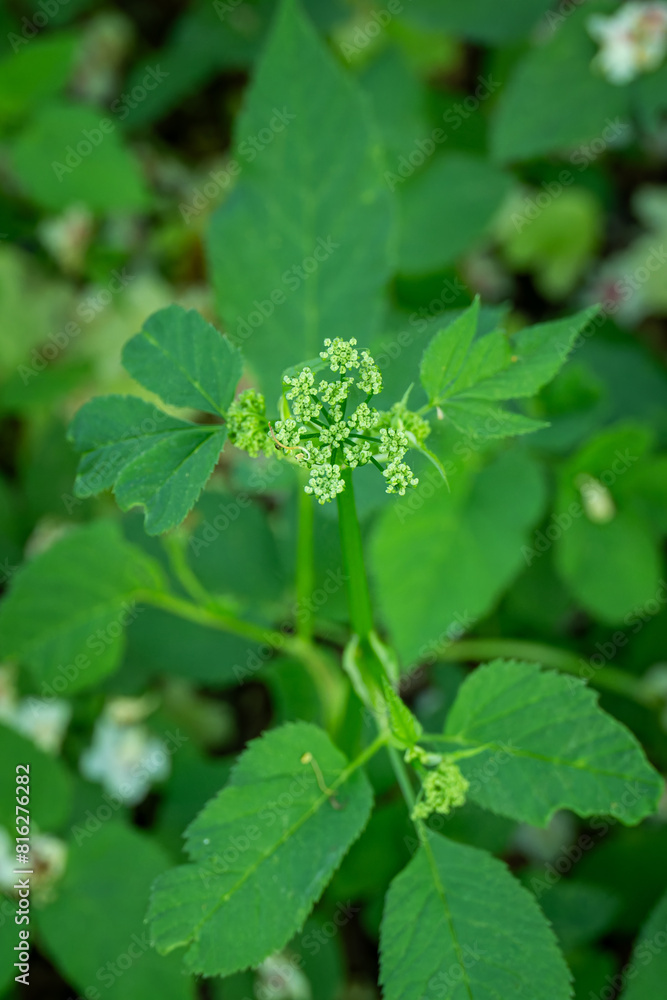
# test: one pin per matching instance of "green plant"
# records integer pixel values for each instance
(374, 480)
(294, 804)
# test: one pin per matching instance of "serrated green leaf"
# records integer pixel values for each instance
(102, 900)
(184, 360)
(301, 249)
(484, 421)
(646, 974)
(537, 354)
(168, 480)
(446, 353)
(151, 459)
(457, 924)
(51, 784)
(552, 747)
(262, 852)
(467, 378)
(65, 610)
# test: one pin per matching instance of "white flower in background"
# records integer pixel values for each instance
(43, 722)
(129, 711)
(48, 859)
(124, 756)
(67, 236)
(278, 978)
(632, 41)
(598, 502)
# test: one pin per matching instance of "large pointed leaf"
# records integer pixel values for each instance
(262, 852)
(300, 250)
(546, 745)
(184, 360)
(457, 924)
(65, 610)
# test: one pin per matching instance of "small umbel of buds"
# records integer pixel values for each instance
(443, 789)
(328, 423)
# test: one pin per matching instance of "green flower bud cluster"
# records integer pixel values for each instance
(247, 424)
(443, 788)
(320, 434)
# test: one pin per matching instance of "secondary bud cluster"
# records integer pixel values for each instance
(443, 788)
(328, 424)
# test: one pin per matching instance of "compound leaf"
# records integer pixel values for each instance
(545, 745)
(537, 354)
(65, 611)
(154, 460)
(467, 378)
(262, 852)
(457, 924)
(184, 360)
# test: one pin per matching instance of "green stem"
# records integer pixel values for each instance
(305, 577)
(326, 680)
(209, 617)
(607, 678)
(358, 594)
(363, 758)
(402, 777)
(174, 547)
